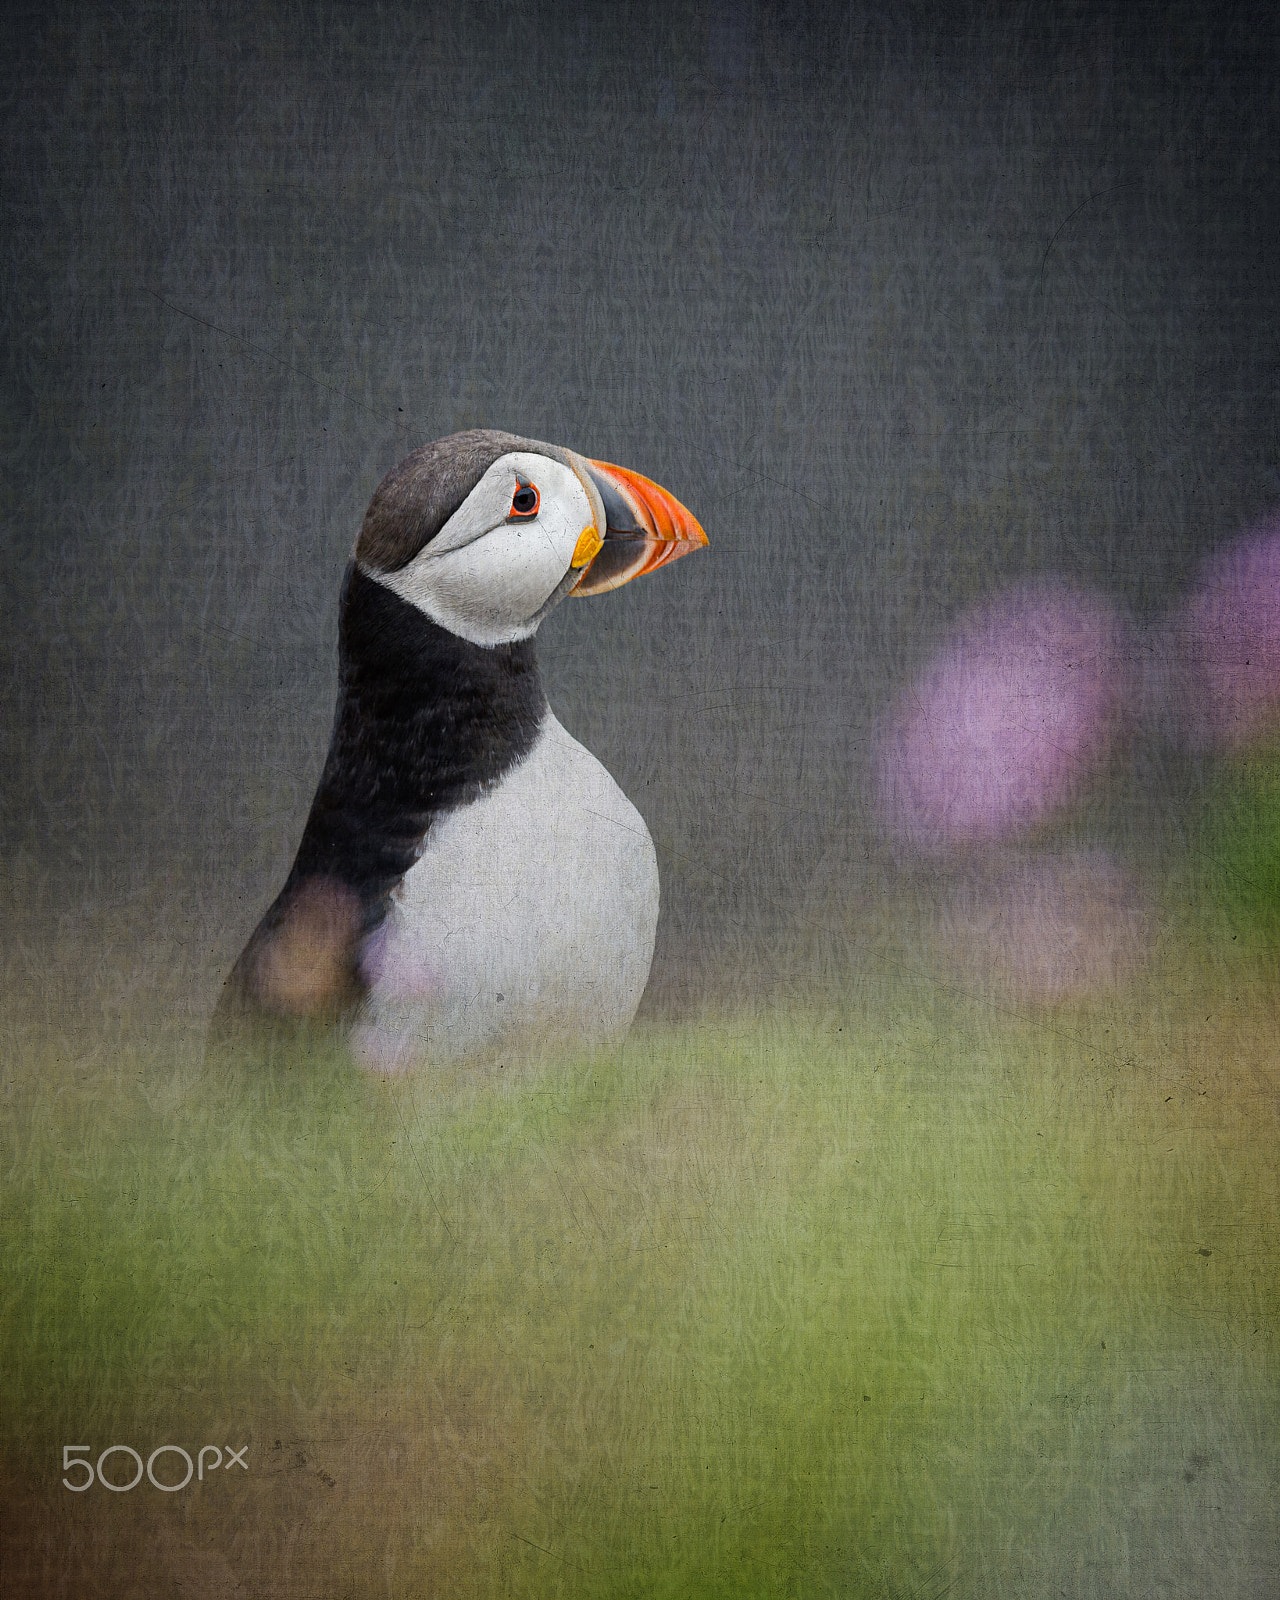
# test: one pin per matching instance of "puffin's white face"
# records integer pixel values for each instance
(518, 542)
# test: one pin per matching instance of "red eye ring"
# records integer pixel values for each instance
(525, 502)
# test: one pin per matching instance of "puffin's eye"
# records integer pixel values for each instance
(524, 503)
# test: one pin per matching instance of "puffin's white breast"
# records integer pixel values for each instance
(527, 921)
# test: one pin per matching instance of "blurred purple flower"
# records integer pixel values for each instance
(1049, 928)
(1017, 709)
(1226, 644)
(398, 970)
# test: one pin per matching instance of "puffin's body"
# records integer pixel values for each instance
(470, 879)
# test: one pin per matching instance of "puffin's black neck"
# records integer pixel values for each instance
(425, 722)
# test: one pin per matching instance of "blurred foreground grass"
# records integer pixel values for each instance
(898, 1294)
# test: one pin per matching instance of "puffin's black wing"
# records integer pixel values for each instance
(425, 722)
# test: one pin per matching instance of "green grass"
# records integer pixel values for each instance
(1243, 828)
(897, 1296)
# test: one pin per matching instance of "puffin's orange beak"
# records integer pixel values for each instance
(647, 527)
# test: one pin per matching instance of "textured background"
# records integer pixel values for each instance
(903, 308)
(865, 1277)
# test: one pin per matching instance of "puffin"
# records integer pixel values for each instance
(470, 881)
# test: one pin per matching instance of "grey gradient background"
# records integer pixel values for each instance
(903, 306)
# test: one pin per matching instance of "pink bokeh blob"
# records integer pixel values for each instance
(1226, 640)
(1049, 927)
(390, 964)
(1018, 708)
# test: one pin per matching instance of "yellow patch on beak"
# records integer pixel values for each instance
(587, 548)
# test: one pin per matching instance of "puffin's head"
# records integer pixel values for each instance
(484, 532)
